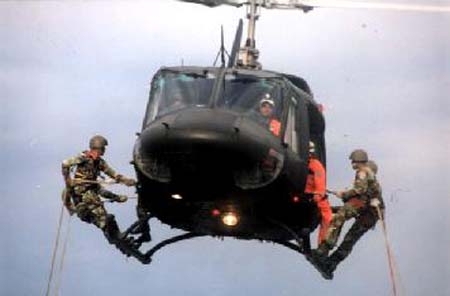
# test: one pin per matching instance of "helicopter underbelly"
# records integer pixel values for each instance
(267, 214)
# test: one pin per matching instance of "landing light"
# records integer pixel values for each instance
(177, 196)
(230, 219)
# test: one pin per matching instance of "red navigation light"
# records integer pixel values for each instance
(215, 212)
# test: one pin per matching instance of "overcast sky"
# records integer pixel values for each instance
(69, 70)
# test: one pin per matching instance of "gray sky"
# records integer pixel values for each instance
(69, 70)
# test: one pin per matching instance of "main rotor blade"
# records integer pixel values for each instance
(277, 4)
(214, 3)
(306, 5)
(376, 5)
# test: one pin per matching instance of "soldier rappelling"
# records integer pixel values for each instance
(360, 202)
(83, 191)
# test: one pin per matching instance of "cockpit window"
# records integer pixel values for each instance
(260, 99)
(173, 91)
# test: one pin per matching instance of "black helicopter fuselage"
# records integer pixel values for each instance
(207, 161)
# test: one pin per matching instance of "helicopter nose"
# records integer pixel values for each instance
(216, 146)
(204, 125)
(187, 143)
(182, 131)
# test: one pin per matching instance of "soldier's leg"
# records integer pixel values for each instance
(110, 195)
(83, 212)
(326, 217)
(362, 224)
(91, 209)
(84, 205)
(99, 214)
(107, 223)
(345, 213)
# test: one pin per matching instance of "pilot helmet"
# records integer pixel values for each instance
(267, 99)
(312, 147)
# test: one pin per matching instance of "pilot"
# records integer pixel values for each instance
(360, 202)
(82, 193)
(316, 189)
(266, 109)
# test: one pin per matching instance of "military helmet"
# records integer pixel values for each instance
(312, 147)
(372, 166)
(98, 142)
(267, 100)
(359, 155)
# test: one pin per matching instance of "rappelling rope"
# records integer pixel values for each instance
(63, 256)
(392, 266)
(55, 249)
(104, 182)
(66, 239)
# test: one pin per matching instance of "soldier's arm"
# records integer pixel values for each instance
(66, 165)
(119, 178)
(360, 186)
(109, 171)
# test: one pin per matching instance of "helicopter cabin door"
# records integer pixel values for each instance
(297, 127)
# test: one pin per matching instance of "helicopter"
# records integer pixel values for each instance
(207, 160)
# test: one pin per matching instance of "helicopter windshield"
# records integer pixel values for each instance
(173, 91)
(257, 98)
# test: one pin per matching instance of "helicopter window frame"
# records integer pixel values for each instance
(302, 120)
(157, 96)
(290, 131)
(237, 100)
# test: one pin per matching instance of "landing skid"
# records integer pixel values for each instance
(130, 246)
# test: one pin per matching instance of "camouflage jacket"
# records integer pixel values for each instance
(87, 168)
(365, 186)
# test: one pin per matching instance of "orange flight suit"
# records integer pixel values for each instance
(275, 127)
(316, 186)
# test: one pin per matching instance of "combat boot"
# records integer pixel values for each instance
(321, 251)
(321, 263)
(121, 198)
(326, 270)
(334, 260)
(111, 229)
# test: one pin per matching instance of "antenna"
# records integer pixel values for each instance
(236, 45)
(222, 50)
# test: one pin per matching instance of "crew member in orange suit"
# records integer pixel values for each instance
(266, 108)
(316, 185)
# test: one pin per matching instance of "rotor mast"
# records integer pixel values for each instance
(248, 55)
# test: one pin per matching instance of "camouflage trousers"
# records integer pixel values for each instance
(365, 219)
(90, 208)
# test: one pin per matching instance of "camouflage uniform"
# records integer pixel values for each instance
(86, 196)
(365, 188)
